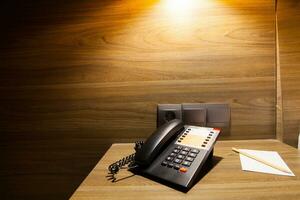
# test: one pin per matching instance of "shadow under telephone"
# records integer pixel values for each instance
(174, 153)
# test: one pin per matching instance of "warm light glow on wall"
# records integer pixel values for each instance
(182, 12)
(160, 29)
(179, 7)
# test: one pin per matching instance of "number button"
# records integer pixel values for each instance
(186, 163)
(173, 154)
(170, 165)
(190, 159)
(176, 151)
(178, 161)
(183, 153)
(169, 158)
(186, 149)
(164, 163)
(179, 147)
(193, 155)
(195, 151)
(176, 166)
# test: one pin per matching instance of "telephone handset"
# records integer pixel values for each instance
(153, 145)
(174, 153)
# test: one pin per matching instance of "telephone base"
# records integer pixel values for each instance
(207, 166)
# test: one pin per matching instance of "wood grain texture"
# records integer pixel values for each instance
(289, 45)
(79, 75)
(279, 110)
(225, 180)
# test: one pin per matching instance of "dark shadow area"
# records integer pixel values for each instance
(49, 145)
(52, 169)
(211, 163)
(124, 178)
(21, 17)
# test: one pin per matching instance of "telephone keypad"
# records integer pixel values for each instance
(180, 156)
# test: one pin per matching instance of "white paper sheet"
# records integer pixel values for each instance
(250, 164)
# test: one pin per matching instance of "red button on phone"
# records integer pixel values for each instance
(183, 169)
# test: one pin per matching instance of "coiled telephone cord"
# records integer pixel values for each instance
(128, 161)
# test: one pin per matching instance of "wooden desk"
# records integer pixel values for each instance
(225, 180)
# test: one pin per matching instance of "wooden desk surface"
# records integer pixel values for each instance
(225, 180)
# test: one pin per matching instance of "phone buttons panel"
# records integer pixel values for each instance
(197, 137)
(180, 158)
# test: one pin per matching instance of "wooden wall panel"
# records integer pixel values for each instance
(79, 75)
(289, 50)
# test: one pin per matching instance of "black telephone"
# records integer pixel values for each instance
(174, 153)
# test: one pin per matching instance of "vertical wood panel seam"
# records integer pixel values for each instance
(279, 113)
